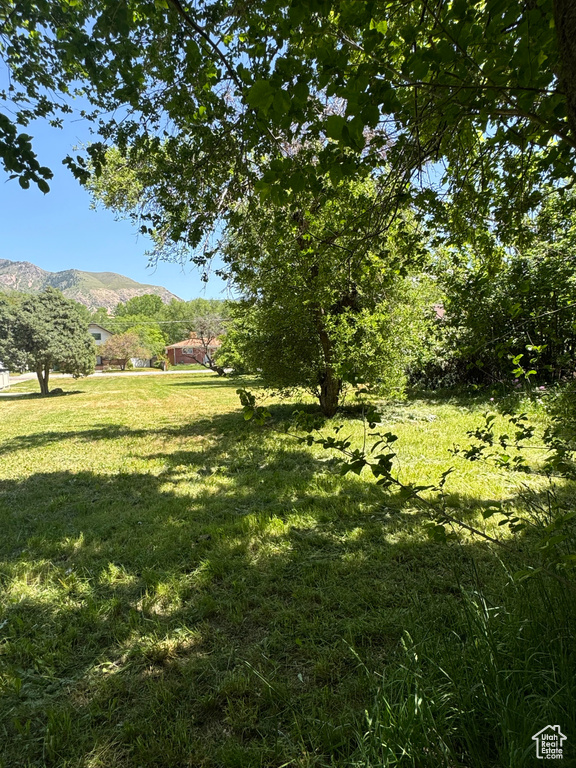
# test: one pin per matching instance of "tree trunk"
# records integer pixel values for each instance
(209, 363)
(565, 23)
(330, 388)
(43, 376)
(330, 385)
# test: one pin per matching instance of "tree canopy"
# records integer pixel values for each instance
(465, 109)
(211, 98)
(520, 306)
(123, 346)
(46, 331)
(325, 299)
(148, 305)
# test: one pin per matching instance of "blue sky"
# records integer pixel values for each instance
(59, 230)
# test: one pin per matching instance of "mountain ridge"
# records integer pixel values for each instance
(93, 289)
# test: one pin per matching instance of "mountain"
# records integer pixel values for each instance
(93, 289)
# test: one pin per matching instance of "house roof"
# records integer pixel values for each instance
(97, 325)
(194, 342)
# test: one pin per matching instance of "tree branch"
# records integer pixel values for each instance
(208, 40)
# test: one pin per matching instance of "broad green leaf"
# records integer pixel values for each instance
(334, 126)
(261, 95)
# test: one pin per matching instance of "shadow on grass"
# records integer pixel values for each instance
(502, 398)
(216, 425)
(224, 611)
(466, 397)
(146, 625)
(215, 381)
(37, 395)
(220, 425)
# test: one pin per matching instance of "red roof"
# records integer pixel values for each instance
(195, 342)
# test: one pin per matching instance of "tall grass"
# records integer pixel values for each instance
(474, 694)
(503, 666)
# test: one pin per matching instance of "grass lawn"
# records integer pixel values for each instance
(180, 588)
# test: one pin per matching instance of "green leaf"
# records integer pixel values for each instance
(356, 132)
(336, 174)
(261, 95)
(419, 67)
(437, 533)
(371, 115)
(297, 181)
(379, 26)
(334, 126)
(280, 104)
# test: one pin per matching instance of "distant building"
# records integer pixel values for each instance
(192, 350)
(100, 336)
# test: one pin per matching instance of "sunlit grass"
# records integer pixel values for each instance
(182, 589)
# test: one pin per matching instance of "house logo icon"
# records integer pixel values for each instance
(549, 743)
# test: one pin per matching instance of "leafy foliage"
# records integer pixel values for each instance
(148, 305)
(483, 91)
(512, 316)
(100, 316)
(554, 523)
(152, 340)
(46, 331)
(325, 304)
(123, 346)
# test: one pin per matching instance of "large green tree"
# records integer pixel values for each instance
(148, 305)
(47, 331)
(325, 303)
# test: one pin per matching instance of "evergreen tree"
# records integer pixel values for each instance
(46, 331)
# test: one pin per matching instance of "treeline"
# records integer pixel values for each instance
(383, 313)
(511, 317)
(398, 309)
(156, 325)
(46, 331)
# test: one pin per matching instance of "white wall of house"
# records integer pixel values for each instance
(4, 377)
(100, 334)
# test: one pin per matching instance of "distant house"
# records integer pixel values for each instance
(192, 350)
(100, 336)
(4, 377)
